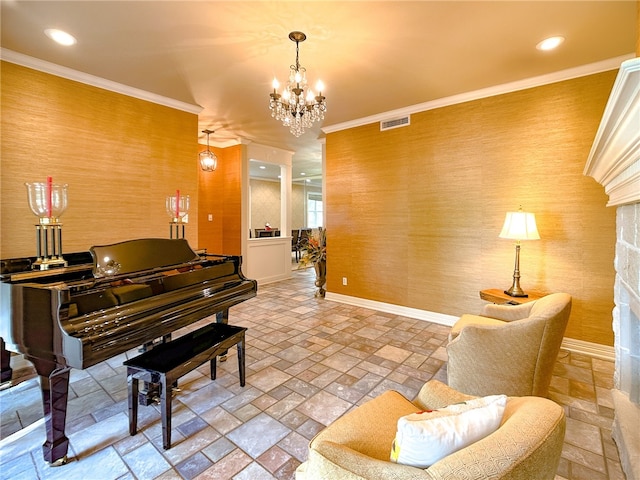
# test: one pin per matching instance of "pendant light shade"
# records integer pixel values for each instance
(208, 159)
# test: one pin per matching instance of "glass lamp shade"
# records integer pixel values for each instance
(208, 160)
(177, 210)
(520, 226)
(47, 201)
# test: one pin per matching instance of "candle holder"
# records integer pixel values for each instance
(178, 209)
(48, 201)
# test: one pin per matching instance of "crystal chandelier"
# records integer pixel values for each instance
(208, 159)
(297, 107)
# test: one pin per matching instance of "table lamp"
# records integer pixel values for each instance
(519, 226)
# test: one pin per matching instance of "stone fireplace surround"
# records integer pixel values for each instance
(614, 162)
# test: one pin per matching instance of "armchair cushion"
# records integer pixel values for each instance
(425, 437)
(508, 313)
(353, 429)
(526, 446)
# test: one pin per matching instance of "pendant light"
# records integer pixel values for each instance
(208, 159)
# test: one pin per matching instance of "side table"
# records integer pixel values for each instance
(495, 295)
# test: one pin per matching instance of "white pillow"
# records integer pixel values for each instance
(423, 438)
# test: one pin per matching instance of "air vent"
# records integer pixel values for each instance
(395, 123)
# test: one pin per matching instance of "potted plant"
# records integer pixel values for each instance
(315, 253)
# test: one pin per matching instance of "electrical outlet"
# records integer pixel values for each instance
(344, 281)
(210, 217)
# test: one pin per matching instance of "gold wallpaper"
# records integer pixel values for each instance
(414, 213)
(120, 156)
(219, 195)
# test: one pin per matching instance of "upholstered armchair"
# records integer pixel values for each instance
(526, 446)
(510, 349)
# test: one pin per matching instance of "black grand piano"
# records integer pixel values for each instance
(106, 302)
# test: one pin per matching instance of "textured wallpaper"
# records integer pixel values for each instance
(265, 204)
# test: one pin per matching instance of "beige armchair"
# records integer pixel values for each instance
(511, 349)
(526, 446)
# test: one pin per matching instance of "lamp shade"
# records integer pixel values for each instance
(208, 160)
(520, 226)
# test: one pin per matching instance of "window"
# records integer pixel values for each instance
(314, 210)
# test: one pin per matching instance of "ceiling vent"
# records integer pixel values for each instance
(395, 123)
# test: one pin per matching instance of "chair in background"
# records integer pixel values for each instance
(303, 239)
(510, 349)
(295, 236)
(357, 446)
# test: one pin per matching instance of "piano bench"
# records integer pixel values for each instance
(167, 362)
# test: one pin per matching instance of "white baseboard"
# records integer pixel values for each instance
(595, 350)
(439, 318)
(603, 352)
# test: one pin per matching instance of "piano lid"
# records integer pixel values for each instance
(140, 255)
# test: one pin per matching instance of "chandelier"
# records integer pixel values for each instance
(208, 159)
(297, 107)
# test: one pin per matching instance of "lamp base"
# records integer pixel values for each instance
(516, 294)
(515, 290)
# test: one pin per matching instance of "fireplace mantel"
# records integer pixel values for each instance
(614, 160)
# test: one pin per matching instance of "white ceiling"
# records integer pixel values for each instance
(373, 56)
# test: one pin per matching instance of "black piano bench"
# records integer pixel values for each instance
(167, 362)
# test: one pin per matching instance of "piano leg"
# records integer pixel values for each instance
(55, 393)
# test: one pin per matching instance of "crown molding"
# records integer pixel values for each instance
(568, 74)
(614, 159)
(77, 76)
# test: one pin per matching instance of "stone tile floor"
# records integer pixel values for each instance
(309, 360)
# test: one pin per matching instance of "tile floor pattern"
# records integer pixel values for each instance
(308, 361)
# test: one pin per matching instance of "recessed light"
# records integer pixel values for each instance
(550, 43)
(302, 173)
(262, 167)
(61, 37)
